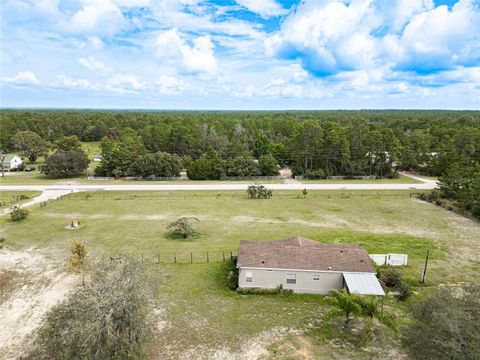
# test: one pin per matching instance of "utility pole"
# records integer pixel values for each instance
(425, 268)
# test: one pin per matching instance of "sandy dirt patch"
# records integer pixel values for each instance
(251, 349)
(36, 286)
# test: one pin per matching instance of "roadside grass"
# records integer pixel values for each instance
(14, 197)
(400, 180)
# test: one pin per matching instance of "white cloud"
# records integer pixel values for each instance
(97, 16)
(197, 58)
(329, 37)
(120, 83)
(439, 39)
(265, 8)
(22, 78)
(170, 85)
(66, 81)
(92, 64)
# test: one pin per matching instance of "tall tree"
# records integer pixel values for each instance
(30, 144)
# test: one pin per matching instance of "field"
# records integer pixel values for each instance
(198, 317)
(16, 197)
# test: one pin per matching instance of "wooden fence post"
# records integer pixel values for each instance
(231, 255)
(158, 257)
(191, 258)
(207, 257)
(174, 257)
(223, 254)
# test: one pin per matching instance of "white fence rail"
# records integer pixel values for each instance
(390, 259)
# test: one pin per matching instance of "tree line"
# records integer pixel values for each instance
(315, 144)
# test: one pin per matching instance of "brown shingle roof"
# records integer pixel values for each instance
(301, 253)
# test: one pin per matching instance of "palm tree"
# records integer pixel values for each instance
(372, 308)
(345, 304)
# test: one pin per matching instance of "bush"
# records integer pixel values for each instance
(445, 326)
(184, 227)
(391, 277)
(208, 167)
(404, 291)
(18, 213)
(232, 275)
(108, 318)
(259, 192)
(315, 174)
(256, 291)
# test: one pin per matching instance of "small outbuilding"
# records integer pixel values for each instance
(306, 266)
(11, 162)
(97, 158)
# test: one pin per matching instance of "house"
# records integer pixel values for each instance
(306, 266)
(11, 162)
(98, 158)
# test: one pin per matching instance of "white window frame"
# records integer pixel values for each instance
(316, 277)
(248, 276)
(291, 278)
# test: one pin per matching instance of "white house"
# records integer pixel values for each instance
(11, 162)
(306, 266)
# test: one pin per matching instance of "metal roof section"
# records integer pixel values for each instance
(363, 284)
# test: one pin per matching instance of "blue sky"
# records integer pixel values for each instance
(240, 54)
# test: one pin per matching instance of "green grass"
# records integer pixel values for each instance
(201, 313)
(401, 180)
(13, 197)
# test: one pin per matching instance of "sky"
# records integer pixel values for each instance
(240, 54)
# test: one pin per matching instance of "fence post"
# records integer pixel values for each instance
(191, 258)
(174, 258)
(158, 257)
(231, 255)
(223, 254)
(207, 256)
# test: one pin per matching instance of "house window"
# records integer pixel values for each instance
(248, 276)
(291, 278)
(316, 277)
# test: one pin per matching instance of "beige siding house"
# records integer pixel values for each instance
(306, 266)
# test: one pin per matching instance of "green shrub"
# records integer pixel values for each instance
(18, 213)
(391, 277)
(259, 192)
(232, 275)
(444, 326)
(404, 291)
(256, 291)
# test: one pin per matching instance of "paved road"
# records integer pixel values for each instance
(426, 185)
(54, 191)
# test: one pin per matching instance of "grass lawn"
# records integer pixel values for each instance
(16, 197)
(199, 315)
(401, 180)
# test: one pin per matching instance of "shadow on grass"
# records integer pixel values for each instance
(179, 237)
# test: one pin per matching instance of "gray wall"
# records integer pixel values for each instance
(270, 279)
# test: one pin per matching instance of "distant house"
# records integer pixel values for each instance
(97, 158)
(11, 162)
(306, 266)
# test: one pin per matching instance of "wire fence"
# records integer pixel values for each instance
(277, 194)
(180, 257)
